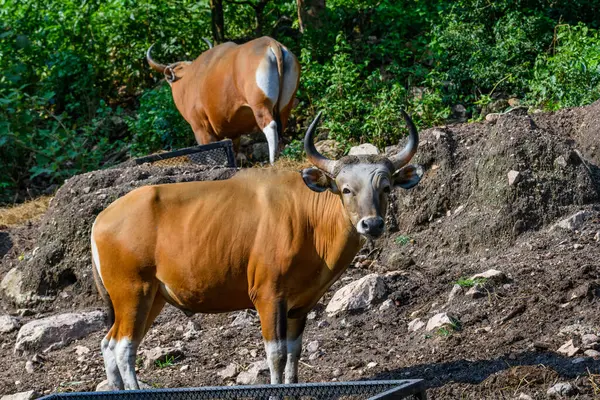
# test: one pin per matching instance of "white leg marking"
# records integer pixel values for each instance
(115, 382)
(270, 132)
(95, 255)
(267, 78)
(290, 77)
(276, 355)
(294, 348)
(125, 352)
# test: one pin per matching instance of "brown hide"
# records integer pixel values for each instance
(225, 245)
(218, 94)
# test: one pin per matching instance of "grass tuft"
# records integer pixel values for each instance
(19, 214)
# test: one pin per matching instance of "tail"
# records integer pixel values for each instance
(276, 47)
(102, 290)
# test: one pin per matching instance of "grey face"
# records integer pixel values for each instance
(363, 182)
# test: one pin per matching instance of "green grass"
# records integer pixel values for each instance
(169, 361)
(402, 240)
(468, 283)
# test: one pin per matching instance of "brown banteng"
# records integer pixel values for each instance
(231, 90)
(266, 239)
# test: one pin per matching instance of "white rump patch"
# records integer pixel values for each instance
(95, 255)
(290, 76)
(267, 78)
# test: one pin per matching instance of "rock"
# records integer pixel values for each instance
(415, 325)
(8, 324)
(579, 360)
(386, 305)
(562, 389)
(103, 386)
(399, 260)
(592, 353)
(312, 347)
(260, 152)
(438, 321)
(244, 319)
(314, 356)
(311, 315)
(514, 177)
(161, 355)
(29, 367)
(560, 162)
(229, 371)
(597, 236)
(365, 148)
(12, 287)
(576, 329)
(330, 148)
(81, 350)
(192, 331)
(32, 394)
(337, 372)
(476, 292)
(258, 372)
(357, 295)
(492, 117)
(57, 331)
(184, 368)
(492, 275)
(456, 290)
(523, 396)
(568, 349)
(581, 291)
(323, 324)
(572, 222)
(589, 341)
(459, 111)
(371, 365)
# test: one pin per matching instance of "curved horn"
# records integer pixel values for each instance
(210, 46)
(153, 64)
(316, 158)
(402, 158)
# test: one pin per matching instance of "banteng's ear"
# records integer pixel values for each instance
(408, 176)
(318, 181)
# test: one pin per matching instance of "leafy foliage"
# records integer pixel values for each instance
(70, 70)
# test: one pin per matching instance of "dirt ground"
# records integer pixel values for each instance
(464, 218)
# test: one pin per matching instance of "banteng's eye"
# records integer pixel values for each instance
(346, 191)
(386, 189)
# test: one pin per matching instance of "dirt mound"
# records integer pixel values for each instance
(464, 218)
(59, 258)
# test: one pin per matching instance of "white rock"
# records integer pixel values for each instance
(258, 372)
(103, 386)
(562, 389)
(357, 295)
(244, 319)
(365, 148)
(372, 364)
(475, 292)
(514, 177)
(492, 117)
(8, 324)
(568, 349)
(81, 350)
(415, 325)
(589, 340)
(184, 368)
(32, 394)
(12, 287)
(57, 331)
(572, 222)
(456, 290)
(524, 396)
(312, 347)
(29, 367)
(161, 354)
(597, 236)
(386, 305)
(491, 274)
(592, 353)
(438, 321)
(229, 371)
(191, 331)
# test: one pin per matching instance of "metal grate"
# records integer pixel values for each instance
(216, 154)
(372, 390)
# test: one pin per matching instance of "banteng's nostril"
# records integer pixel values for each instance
(364, 225)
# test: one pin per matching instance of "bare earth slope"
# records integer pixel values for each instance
(463, 219)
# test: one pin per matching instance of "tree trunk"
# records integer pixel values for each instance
(309, 13)
(218, 23)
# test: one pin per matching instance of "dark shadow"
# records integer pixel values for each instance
(474, 372)
(6, 243)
